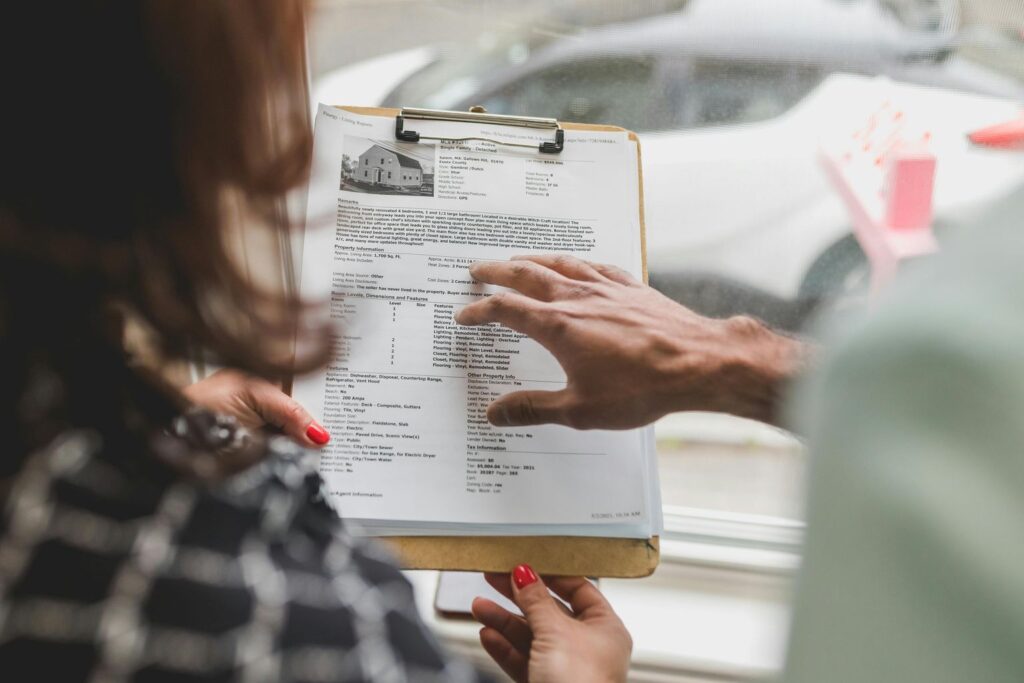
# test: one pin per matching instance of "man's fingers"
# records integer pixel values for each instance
(512, 626)
(511, 661)
(282, 411)
(516, 311)
(524, 408)
(569, 266)
(526, 277)
(583, 596)
(614, 273)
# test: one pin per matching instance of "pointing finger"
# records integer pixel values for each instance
(569, 266)
(523, 408)
(516, 311)
(526, 277)
(614, 273)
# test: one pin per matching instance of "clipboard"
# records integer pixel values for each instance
(550, 555)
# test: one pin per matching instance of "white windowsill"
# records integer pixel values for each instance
(717, 608)
(687, 623)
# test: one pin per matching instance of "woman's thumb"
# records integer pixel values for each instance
(281, 410)
(532, 597)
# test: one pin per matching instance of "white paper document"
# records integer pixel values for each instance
(391, 230)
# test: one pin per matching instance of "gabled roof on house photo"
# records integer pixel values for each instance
(408, 162)
(404, 161)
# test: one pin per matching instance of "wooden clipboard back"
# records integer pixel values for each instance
(550, 555)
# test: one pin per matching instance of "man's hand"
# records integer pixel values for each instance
(552, 644)
(631, 355)
(256, 403)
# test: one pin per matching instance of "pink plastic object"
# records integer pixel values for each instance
(1008, 135)
(908, 188)
(886, 183)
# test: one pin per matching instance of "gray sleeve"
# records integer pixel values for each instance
(914, 562)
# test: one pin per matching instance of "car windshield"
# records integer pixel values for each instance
(461, 70)
(462, 67)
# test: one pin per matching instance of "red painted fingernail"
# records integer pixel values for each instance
(317, 434)
(523, 575)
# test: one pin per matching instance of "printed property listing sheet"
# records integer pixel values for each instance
(391, 230)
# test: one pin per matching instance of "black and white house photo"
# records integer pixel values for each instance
(387, 167)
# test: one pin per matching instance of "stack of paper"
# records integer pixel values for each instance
(405, 400)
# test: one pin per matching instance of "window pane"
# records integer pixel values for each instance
(734, 100)
(619, 90)
(722, 92)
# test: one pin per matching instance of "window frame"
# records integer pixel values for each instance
(731, 540)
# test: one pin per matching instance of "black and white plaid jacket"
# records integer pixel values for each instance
(109, 577)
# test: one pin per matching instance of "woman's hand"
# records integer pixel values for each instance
(256, 403)
(553, 644)
(631, 355)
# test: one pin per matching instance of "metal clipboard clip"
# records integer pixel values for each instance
(479, 115)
